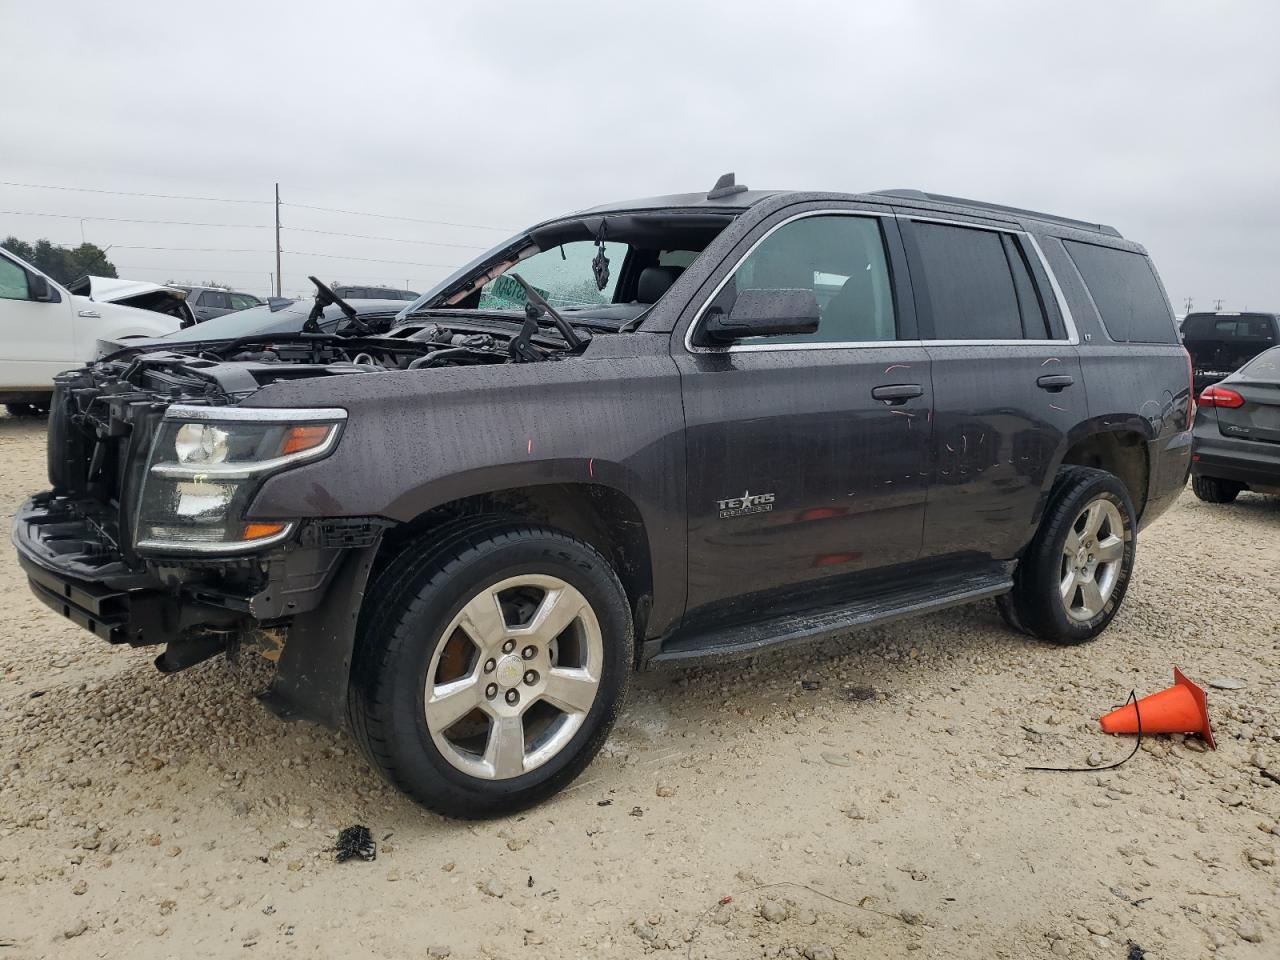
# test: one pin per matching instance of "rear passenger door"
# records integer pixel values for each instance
(1007, 383)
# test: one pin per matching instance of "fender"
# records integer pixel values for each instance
(1117, 424)
(415, 440)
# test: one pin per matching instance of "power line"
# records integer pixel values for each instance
(338, 256)
(126, 193)
(387, 216)
(294, 253)
(399, 278)
(176, 223)
(206, 270)
(358, 236)
(129, 246)
(234, 200)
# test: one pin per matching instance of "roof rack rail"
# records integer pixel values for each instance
(907, 194)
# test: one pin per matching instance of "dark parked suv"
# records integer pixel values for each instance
(689, 427)
(1221, 343)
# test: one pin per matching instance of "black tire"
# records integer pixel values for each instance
(27, 409)
(1009, 613)
(1037, 604)
(1214, 489)
(409, 606)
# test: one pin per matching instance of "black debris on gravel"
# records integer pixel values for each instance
(355, 841)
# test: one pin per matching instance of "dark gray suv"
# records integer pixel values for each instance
(655, 432)
(209, 302)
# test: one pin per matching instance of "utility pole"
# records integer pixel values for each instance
(278, 277)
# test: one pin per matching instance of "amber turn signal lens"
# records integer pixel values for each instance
(256, 531)
(304, 438)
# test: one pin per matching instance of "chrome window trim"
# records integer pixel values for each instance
(182, 411)
(1073, 334)
(766, 347)
(1072, 338)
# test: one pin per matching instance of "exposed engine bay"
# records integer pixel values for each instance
(226, 372)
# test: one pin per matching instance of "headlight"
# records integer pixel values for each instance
(201, 443)
(206, 463)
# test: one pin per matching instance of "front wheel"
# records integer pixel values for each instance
(491, 668)
(1074, 574)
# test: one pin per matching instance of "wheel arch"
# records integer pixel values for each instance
(1121, 449)
(596, 513)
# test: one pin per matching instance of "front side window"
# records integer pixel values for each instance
(242, 301)
(841, 259)
(13, 281)
(562, 275)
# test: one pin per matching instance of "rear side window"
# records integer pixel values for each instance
(1265, 366)
(979, 285)
(1125, 291)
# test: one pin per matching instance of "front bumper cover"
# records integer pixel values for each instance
(315, 589)
(75, 571)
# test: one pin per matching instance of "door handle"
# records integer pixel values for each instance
(1054, 382)
(897, 393)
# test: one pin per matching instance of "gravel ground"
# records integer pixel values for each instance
(863, 798)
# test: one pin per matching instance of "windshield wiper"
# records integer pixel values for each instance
(535, 306)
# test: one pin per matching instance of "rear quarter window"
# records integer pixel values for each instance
(1126, 292)
(1265, 366)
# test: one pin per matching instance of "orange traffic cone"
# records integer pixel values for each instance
(1181, 708)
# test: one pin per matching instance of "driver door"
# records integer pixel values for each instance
(35, 335)
(806, 454)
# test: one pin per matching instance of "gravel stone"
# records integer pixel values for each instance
(773, 911)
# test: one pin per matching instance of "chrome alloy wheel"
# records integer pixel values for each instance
(1091, 560)
(513, 676)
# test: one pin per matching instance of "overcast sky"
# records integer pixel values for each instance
(1160, 118)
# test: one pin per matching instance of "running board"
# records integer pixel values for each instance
(819, 623)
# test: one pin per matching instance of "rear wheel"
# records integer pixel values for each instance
(1215, 490)
(27, 409)
(1074, 574)
(492, 668)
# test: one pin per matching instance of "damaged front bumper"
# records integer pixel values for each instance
(296, 603)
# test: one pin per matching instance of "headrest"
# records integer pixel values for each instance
(654, 282)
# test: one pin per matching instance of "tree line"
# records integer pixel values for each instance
(63, 264)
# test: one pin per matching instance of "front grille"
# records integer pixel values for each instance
(99, 443)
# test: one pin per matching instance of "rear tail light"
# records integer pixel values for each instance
(1191, 389)
(1220, 397)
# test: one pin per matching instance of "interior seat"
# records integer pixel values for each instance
(851, 314)
(653, 282)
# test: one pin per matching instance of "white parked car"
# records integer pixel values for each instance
(45, 329)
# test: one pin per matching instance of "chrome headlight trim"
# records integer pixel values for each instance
(188, 411)
(213, 547)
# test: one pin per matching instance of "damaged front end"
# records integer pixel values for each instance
(141, 539)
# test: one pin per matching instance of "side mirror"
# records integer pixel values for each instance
(38, 288)
(764, 313)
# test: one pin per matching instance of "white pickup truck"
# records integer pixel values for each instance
(45, 329)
